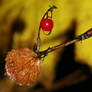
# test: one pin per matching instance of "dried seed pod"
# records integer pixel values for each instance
(23, 66)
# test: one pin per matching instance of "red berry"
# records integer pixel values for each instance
(46, 24)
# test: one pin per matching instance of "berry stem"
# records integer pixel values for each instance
(81, 37)
(45, 15)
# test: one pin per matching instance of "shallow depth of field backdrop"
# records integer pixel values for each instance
(19, 23)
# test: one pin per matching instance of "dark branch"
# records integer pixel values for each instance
(83, 36)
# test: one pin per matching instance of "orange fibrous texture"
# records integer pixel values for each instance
(23, 66)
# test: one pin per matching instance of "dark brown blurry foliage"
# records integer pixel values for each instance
(23, 66)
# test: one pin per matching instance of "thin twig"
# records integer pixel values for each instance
(81, 37)
(46, 14)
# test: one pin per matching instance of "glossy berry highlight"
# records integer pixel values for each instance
(46, 24)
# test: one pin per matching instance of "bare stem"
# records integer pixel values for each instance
(78, 38)
(45, 15)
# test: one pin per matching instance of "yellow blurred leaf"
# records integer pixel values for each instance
(84, 23)
(31, 12)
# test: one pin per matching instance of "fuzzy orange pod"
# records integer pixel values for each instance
(22, 66)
